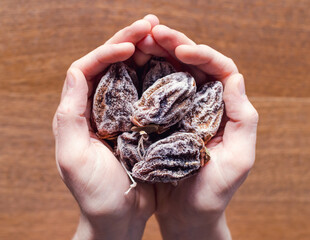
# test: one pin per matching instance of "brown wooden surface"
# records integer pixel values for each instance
(269, 41)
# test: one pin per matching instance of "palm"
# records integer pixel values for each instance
(202, 193)
(101, 183)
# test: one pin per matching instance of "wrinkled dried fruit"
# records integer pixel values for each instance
(113, 99)
(148, 145)
(156, 69)
(171, 159)
(206, 114)
(165, 102)
(133, 75)
(127, 148)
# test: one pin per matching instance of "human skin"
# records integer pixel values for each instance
(195, 208)
(86, 165)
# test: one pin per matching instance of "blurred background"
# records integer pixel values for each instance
(268, 40)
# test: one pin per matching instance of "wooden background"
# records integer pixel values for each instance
(269, 41)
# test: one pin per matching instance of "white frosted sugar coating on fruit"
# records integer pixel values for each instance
(157, 68)
(166, 101)
(113, 99)
(206, 114)
(173, 158)
(127, 149)
(133, 75)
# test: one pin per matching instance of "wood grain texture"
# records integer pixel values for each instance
(268, 40)
(274, 201)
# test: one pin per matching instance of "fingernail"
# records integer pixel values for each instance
(241, 86)
(70, 80)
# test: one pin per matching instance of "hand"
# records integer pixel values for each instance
(195, 208)
(87, 166)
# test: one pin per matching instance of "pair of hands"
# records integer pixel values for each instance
(195, 208)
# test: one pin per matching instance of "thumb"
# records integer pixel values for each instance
(72, 134)
(240, 131)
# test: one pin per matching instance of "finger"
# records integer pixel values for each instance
(164, 42)
(169, 38)
(97, 60)
(72, 136)
(140, 58)
(207, 59)
(148, 46)
(133, 33)
(152, 19)
(240, 131)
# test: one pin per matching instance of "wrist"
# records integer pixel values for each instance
(84, 230)
(204, 229)
(87, 229)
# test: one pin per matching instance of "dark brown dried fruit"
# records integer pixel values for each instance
(165, 102)
(113, 99)
(127, 148)
(133, 75)
(156, 69)
(171, 159)
(206, 114)
(150, 153)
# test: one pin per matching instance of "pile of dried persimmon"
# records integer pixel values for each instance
(161, 135)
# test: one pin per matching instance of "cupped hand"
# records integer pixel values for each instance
(98, 181)
(194, 209)
(86, 164)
